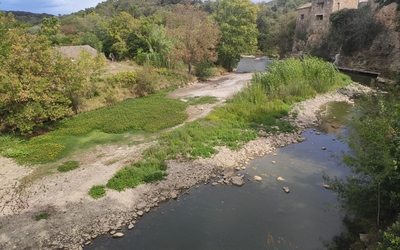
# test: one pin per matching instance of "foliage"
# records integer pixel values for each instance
(104, 125)
(97, 191)
(68, 166)
(49, 26)
(195, 34)
(391, 237)
(205, 70)
(276, 23)
(237, 22)
(295, 80)
(131, 176)
(372, 193)
(37, 84)
(42, 216)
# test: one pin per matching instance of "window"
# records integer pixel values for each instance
(302, 16)
(320, 17)
(320, 5)
(338, 6)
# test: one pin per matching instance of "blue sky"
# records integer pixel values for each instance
(54, 7)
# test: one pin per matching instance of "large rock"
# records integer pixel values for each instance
(238, 181)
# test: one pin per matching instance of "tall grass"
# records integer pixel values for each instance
(295, 80)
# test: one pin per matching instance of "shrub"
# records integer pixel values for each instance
(68, 166)
(205, 70)
(97, 191)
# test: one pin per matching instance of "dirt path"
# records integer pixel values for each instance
(75, 218)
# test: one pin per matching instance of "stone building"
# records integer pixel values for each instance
(313, 20)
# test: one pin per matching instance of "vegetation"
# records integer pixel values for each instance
(295, 80)
(371, 194)
(350, 30)
(98, 191)
(237, 22)
(256, 107)
(148, 114)
(195, 34)
(42, 216)
(68, 166)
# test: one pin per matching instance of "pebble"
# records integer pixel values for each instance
(280, 179)
(273, 162)
(215, 183)
(323, 148)
(131, 226)
(257, 178)
(286, 189)
(118, 235)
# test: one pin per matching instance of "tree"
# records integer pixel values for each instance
(196, 35)
(37, 84)
(50, 26)
(119, 29)
(374, 139)
(237, 22)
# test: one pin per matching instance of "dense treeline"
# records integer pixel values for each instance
(161, 36)
(29, 17)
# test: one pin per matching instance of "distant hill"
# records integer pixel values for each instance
(29, 17)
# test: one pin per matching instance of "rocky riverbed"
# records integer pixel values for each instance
(75, 218)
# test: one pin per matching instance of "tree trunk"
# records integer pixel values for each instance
(189, 68)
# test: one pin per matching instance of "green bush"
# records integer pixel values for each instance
(68, 166)
(205, 70)
(97, 191)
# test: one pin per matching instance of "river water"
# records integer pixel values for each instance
(258, 215)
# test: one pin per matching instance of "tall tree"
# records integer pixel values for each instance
(237, 22)
(196, 35)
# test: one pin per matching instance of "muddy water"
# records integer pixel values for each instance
(258, 215)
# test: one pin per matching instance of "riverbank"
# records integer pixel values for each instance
(77, 219)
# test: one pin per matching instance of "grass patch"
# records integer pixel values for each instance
(98, 191)
(105, 125)
(42, 216)
(68, 166)
(202, 100)
(132, 176)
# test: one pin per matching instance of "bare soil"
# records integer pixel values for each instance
(75, 218)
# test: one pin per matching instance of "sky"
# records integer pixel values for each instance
(54, 7)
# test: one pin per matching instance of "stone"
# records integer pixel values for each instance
(323, 148)
(131, 226)
(318, 133)
(243, 168)
(118, 235)
(173, 195)
(301, 139)
(215, 183)
(280, 179)
(141, 205)
(238, 181)
(112, 232)
(273, 162)
(327, 186)
(257, 178)
(286, 189)
(140, 213)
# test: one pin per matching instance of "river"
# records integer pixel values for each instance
(258, 215)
